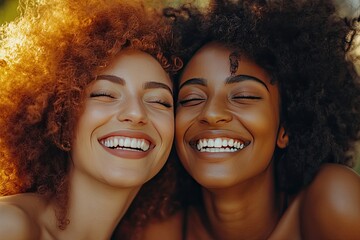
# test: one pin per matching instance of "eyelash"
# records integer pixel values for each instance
(104, 94)
(247, 97)
(184, 102)
(101, 94)
(164, 103)
(198, 100)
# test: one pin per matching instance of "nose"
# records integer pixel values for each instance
(133, 112)
(215, 112)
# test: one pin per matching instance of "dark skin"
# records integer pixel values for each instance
(240, 200)
(241, 107)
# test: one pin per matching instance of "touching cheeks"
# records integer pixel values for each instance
(125, 132)
(227, 118)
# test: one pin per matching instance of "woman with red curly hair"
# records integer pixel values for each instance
(87, 116)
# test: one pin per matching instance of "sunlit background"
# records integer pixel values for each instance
(9, 11)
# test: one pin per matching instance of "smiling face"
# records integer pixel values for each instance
(227, 119)
(125, 132)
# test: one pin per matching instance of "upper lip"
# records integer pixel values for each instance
(130, 134)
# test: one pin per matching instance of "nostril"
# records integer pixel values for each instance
(222, 120)
(133, 113)
(134, 120)
(133, 117)
(203, 121)
(215, 120)
(215, 112)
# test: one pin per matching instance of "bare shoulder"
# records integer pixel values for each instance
(15, 223)
(170, 228)
(330, 206)
(19, 216)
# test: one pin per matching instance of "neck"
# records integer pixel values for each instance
(247, 211)
(94, 208)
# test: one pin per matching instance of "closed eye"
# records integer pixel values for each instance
(163, 103)
(191, 102)
(101, 94)
(247, 97)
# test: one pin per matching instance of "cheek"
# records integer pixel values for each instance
(165, 127)
(100, 113)
(261, 122)
(183, 120)
(89, 120)
(164, 123)
(95, 114)
(180, 126)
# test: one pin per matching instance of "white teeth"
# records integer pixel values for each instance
(125, 142)
(142, 144)
(219, 145)
(133, 143)
(218, 150)
(116, 141)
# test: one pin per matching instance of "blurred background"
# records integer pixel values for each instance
(8, 10)
(351, 8)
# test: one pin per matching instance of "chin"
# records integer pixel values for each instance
(126, 180)
(215, 181)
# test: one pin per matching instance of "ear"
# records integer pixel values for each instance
(282, 138)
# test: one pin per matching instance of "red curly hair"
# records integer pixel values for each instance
(47, 57)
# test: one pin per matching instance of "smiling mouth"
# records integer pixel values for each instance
(219, 145)
(126, 143)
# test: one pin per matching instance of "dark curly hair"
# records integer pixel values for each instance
(304, 46)
(47, 57)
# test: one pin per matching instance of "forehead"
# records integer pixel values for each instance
(212, 62)
(137, 65)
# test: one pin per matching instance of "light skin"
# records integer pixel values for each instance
(122, 139)
(237, 179)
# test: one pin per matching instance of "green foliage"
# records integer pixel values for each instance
(8, 10)
(357, 165)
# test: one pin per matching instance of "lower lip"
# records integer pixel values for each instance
(124, 153)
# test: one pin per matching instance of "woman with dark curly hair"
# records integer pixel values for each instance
(267, 119)
(86, 119)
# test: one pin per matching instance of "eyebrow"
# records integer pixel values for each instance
(152, 85)
(241, 78)
(229, 80)
(147, 85)
(111, 78)
(194, 81)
